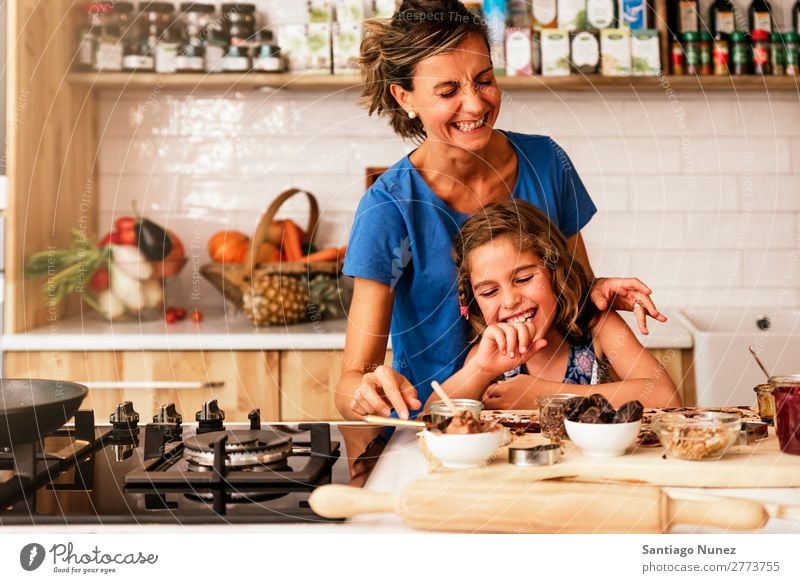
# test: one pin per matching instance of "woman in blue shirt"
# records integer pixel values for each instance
(428, 71)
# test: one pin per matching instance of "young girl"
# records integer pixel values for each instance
(535, 331)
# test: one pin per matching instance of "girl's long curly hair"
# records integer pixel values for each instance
(391, 50)
(530, 230)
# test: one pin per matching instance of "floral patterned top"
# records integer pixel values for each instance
(583, 366)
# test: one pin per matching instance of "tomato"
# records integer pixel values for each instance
(127, 238)
(180, 314)
(197, 316)
(170, 316)
(123, 224)
(100, 280)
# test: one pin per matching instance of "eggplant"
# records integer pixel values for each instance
(153, 240)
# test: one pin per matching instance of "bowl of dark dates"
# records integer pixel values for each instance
(599, 430)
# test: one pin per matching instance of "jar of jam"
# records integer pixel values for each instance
(761, 52)
(739, 51)
(704, 44)
(777, 53)
(786, 391)
(791, 42)
(721, 54)
(691, 52)
(766, 403)
(267, 58)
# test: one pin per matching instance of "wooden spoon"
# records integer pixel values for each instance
(437, 388)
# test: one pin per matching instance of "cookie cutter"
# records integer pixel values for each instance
(539, 455)
(752, 432)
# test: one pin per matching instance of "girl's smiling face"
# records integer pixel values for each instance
(455, 95)
(512, 285)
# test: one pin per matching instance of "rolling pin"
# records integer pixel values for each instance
(540, 507)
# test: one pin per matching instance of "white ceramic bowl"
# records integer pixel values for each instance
(464, 450)
(602, 440)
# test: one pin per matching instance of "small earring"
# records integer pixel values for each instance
(412, 115)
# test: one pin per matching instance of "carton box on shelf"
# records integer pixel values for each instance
(585, 51)
(320, 11)
(633, 14)
(555, 52)
(306, 47)
(346, 47)
(615, 52)
(645, 53)
(518, 52)
(572, 14)
(349, 10)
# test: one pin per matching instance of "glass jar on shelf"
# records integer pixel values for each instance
(739, 50)
(704, 44)
(215, 49)
(761, 52)
(236, 59)
(88, 33)
(691, 51)
(161, 37)
(267, 57)
(721, 54)
(777, 53)
(195, 19)
(109, 49)
(240, 22)
(792, 46)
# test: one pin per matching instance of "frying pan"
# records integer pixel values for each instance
(33, 408)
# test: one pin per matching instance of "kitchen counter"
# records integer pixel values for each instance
(401, 463)
(230, 330)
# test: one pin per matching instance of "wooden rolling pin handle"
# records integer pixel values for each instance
(724, 513)
(334, 501)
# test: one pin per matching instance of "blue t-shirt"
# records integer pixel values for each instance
(403, 236)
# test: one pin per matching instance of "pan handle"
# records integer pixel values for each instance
(168, 385)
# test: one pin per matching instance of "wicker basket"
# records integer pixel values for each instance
(232, 280)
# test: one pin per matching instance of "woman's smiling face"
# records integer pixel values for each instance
(511, 285)
(455, 95)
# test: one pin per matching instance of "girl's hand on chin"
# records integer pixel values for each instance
(506, 345)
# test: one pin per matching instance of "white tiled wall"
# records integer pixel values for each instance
(699, 196)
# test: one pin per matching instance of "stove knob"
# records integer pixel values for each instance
(124, 415)
(168, 415)
(210, 412)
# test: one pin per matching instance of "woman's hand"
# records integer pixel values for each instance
(627, 294)
(505, 346)
(382, 390)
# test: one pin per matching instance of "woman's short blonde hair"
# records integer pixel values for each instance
(392, 49)
(530, 230)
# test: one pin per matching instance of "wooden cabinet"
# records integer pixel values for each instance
(308, 384)
(250, 379)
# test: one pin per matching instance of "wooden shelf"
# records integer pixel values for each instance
(324, 82)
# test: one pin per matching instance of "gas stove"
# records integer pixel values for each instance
(208, 472)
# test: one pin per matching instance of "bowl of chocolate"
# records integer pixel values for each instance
(466, 442)
(599, 430)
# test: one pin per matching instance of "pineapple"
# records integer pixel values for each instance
(288, 299)
(273, 299)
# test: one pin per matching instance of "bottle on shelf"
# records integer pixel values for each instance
(760, 16)
(684, 17)
(722, 17)
(796, 16)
